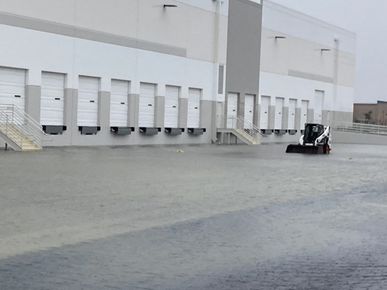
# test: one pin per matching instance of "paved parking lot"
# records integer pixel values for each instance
(193, 217)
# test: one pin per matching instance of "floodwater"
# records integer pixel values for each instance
(209, 217)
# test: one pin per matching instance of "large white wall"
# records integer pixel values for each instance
(39, 51)
(294, 66)
(275, 85)
(191, 26)
(282, 19)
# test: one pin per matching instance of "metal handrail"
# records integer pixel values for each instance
(9, 130)
(15, 129)
(239, 123)
(19, 124)
(361, 128)
(16, 110)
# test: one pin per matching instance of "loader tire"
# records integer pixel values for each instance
(326, 149)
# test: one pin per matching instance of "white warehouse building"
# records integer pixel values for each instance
(307, 71)
(132, 72)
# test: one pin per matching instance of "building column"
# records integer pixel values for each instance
(104, 111)
(310, 116)
(271, 117)
(206, 110)
(285, 118)
(183, 113)
(134, 107)
(298, 119)
(33, 101)
(257, 111)
(159, 111)
(71, 113)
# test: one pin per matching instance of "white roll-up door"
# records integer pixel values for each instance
(304, 114)
(194, 97)
(279, 111)
(318, 106)
(232, 110)
(147, 105)
(12, 87)
(249, 111)
(88, 101)
(292, 114)
(52, 101)
(119, 103)
(264, 116)
(171, 119)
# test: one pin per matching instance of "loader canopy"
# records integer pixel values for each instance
(312, 132)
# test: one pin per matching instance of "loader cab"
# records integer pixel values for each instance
(312, 132)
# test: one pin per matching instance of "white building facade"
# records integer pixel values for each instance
(307, 72)
(120, 72)
(134, 72)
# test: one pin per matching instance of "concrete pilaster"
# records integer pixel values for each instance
(206, 109)
(326, 117)
(104, 110)
(214, 121)
(183, 112)
(271, 117)
(298, 119)
(133, 103)
(285, 118)
(71, 113)
(310, 117)
(129, 113)
(32, 101)
(257, 112)
(159, 111)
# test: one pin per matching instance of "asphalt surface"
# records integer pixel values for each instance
(193, 218)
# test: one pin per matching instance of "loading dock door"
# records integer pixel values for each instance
(12, 87)
(279, 110)
(264, 118)
(232, 110)
(147, 105)
(304, 113)
(318, 106)
(119, 103)
(172, 107)
(52, 101)
(88, 101)
(194, 97)
(292, 114)
(249, 111)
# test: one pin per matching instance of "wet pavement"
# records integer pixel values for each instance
(231, 218)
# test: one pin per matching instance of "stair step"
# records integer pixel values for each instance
(19, 132)
(245, 137)
(21, 141)
(31, 149)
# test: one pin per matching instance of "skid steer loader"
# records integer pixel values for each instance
(316, 140)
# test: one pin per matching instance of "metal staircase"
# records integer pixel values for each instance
(242, 129)
(19, 130)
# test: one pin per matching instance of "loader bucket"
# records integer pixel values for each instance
(305, 149)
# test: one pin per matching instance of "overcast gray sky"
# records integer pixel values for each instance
(368, 19)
